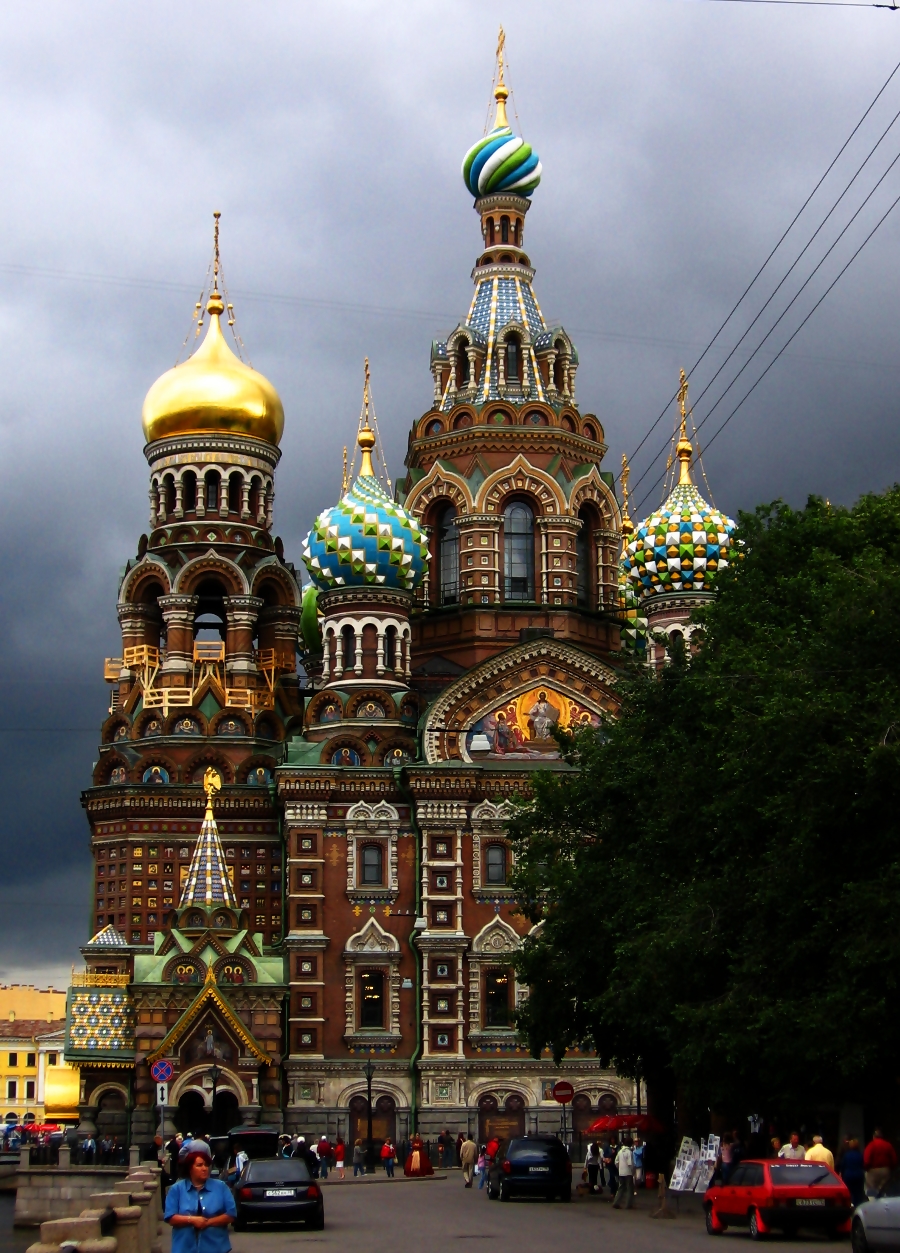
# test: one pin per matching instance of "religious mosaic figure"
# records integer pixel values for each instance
(544, 717)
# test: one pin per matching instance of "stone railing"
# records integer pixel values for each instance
(125, 1219)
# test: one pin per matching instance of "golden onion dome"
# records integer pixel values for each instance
(213, 391)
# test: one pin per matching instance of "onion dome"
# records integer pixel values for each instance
(366, 539)
(213, 391)
(682, 546)
(310, 631)
(501, 161)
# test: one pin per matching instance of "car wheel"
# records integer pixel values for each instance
(858, 1237)
(504, 1193)
(492, 1195)
(711, 1228)
(755, 1233)
(316, 1224)
(240, 1224)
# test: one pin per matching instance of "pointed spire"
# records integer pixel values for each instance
(684, 450)
(207, 882)
(501, 92)
(366, 436)
(627, 524)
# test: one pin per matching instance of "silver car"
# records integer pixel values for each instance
(876, 1224)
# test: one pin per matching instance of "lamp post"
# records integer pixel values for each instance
(369, 1072)
(215, 1073)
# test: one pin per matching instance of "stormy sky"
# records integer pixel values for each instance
(678, 139)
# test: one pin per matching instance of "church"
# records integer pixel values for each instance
(298, 813)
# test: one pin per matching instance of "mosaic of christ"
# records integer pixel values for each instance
(523, 727)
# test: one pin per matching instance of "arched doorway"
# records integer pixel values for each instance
(503, 1123)
(192, 1115)
(582, 1114)
(225, 1113)
(384, 1119)
(112, 1119)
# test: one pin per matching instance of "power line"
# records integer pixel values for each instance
(821, 4)
(752, 282)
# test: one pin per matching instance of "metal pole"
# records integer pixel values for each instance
(370, 1164)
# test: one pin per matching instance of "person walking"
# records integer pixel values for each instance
(793, 1151)
(199, 1209)
(481, 1166)
(625, 1171)
(853, 1171)
(387, 1157)
(359, 1161)
(879, 1160)
(592, 1164)
(468, 1154)
(324, 1149)
(638, 1153)
(339, 1150)
(817, 1152)
(609, 1166)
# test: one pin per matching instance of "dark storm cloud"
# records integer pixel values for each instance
(678, 139)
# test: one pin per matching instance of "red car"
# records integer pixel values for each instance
(779, 1194)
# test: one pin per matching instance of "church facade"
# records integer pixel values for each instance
(296, 878)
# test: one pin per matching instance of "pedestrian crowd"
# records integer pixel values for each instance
(618, 1167)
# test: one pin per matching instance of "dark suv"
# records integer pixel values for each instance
(531, 1166)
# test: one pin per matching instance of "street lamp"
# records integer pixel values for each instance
(215, 1073)
(369, 1072)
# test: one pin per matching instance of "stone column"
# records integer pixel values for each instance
(245, 501)
(241, 613)
(178, 613)
(178, 511)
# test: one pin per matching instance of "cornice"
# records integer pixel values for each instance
(503, 269)
(203, 443)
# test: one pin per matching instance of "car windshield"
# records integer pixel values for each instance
(282, 1170)
(803, 1175)
(533, 1150)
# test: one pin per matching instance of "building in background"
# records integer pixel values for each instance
(36, 1082)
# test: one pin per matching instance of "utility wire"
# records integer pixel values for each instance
(822, 4)
(752, 282)
(786, 309)
(828, 289)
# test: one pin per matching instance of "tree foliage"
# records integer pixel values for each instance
(719, 878)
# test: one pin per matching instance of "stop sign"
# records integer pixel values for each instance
(563, 1092)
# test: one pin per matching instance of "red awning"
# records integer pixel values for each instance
(645, 1123)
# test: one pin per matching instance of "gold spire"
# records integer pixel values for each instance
(212, 783)
(501, 92)
(345, 482)
(627, 524)
(366, 436)
(215, 304)
(684, 449)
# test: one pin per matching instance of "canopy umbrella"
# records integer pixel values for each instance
(645, 1123)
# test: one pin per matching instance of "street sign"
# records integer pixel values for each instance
(162, 1071)
(162, 1094)
(563, 1092)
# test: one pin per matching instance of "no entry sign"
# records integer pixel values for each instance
(162, 1071)
(563, 1092)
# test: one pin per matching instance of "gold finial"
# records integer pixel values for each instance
(627, 524)
(501, 92)
(212, 783)
(366, 436)
(215, 303)
(344, 481)
(683, 449)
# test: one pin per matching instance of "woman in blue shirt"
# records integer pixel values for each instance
(199, 1209)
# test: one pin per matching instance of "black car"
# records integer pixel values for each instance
(278, 1190)
(531, 1166)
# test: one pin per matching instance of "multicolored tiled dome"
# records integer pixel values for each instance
(501, 161)
(366, 539)
(681, 547)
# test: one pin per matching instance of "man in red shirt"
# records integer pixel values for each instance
(879, 1160)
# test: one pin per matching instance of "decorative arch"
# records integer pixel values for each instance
(184, 968)
(112, 726)
(520, 478)
(331, 747)
(171, 725)
(270, 568)
(104, 1089)
(210, 562)
(205, 758)
(148, 762)
(234, 971)
(405, 747)
(320, 702)
(105, 767)
(223, 718)
(591, 488)
(268, 721)
(496, 939)
(391, 712)
(150, 568)
(380, 1086)
(439, 483)
(192, 1081)
(371, 942)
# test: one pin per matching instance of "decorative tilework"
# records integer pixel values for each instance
(100, 1021)
(679, 548)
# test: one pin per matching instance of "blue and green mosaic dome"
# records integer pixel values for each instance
(501, 162)
(366, 540)
(680, 548)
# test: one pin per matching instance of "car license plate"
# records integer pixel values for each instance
(280, 1192)
(538, 1170)
(810, 1202)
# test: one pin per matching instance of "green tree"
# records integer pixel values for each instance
(718, 874)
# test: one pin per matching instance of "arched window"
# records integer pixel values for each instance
(371, 999)
(212, 491)
(495, 864)
(496, 998)
(504, 229)
(583, 565)
(490, 231)
(559, 376)
(513, 360)
(254, 498)
(234, 493)
(372, 864)
(518, 552)
(516, 232)
(189, 491)
(462, 367)
(168, 494)
(390, 648)
(448, 557)
(348, 647)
